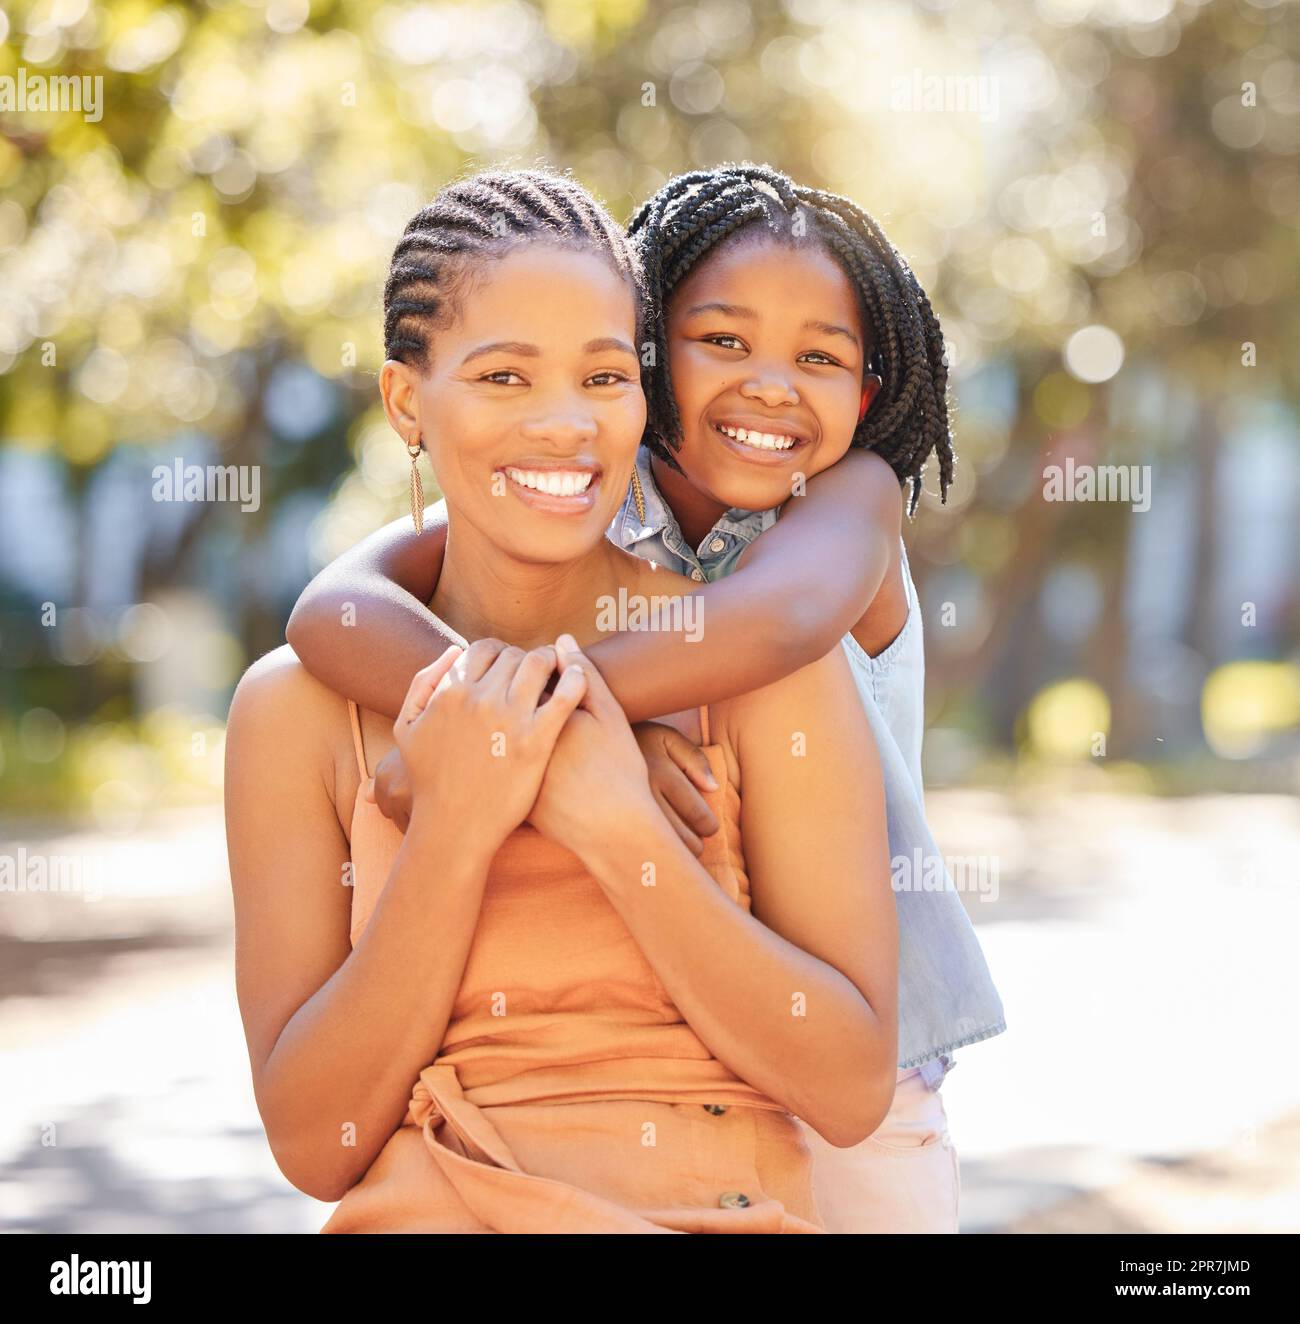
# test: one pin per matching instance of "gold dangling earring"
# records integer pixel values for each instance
(638, 496)
(413, 449)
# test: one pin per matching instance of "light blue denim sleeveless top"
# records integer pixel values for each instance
(946, 997)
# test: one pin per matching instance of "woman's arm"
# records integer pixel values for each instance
(798, 589)
(336, 1035)
(799, 997)
(370, 603)
(816, 846)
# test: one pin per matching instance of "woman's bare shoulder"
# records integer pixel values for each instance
(820, 696)
(829, 677)
(280, 706)
(278, 680)
(286, 729)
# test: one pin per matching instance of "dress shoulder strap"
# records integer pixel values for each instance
(704, 724)
(355, 717)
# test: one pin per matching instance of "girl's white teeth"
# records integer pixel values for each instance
(554, 482)
(767, 441)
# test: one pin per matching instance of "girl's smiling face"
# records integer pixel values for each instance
(766, 351)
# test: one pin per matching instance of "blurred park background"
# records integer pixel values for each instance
(1100, 197)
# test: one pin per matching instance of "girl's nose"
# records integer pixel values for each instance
(772, 389)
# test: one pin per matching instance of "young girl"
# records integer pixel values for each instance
(797, 370)
(537, 1011)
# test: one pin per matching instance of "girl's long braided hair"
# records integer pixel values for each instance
(479, 218)
(694, 213)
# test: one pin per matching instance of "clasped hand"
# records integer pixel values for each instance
(482, 745)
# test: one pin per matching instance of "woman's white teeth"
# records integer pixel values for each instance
(767, 441)
(554, 482)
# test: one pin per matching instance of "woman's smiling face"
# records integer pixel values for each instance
(766, 351)
(532, 407)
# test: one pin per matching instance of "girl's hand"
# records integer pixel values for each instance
(390, 789)
(678, 772)
(596, 777)
(474, 740)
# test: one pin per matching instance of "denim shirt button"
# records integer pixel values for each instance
(716, 545)
(697, 574)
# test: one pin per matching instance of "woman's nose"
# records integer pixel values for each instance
(561, 424)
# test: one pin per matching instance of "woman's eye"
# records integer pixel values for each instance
(499, 377)
(606, 379)
(725, 341)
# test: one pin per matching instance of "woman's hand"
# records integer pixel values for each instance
(474, 740)
(596, 777)
(678, 772)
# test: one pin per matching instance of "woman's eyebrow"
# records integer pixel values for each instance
(523, 350)
(608, 342)
(831, 329)
(503, 347)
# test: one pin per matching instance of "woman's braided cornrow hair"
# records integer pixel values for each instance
(695, 212)
(482, 217)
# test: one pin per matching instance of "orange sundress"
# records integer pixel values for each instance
(569, 1094)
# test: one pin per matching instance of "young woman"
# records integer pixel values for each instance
(537, 1010)
(799, 371)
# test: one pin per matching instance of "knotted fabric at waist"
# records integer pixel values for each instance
(495, 1188)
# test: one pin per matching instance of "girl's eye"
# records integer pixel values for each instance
(606, 379)
(732, 342)
(820, 356)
